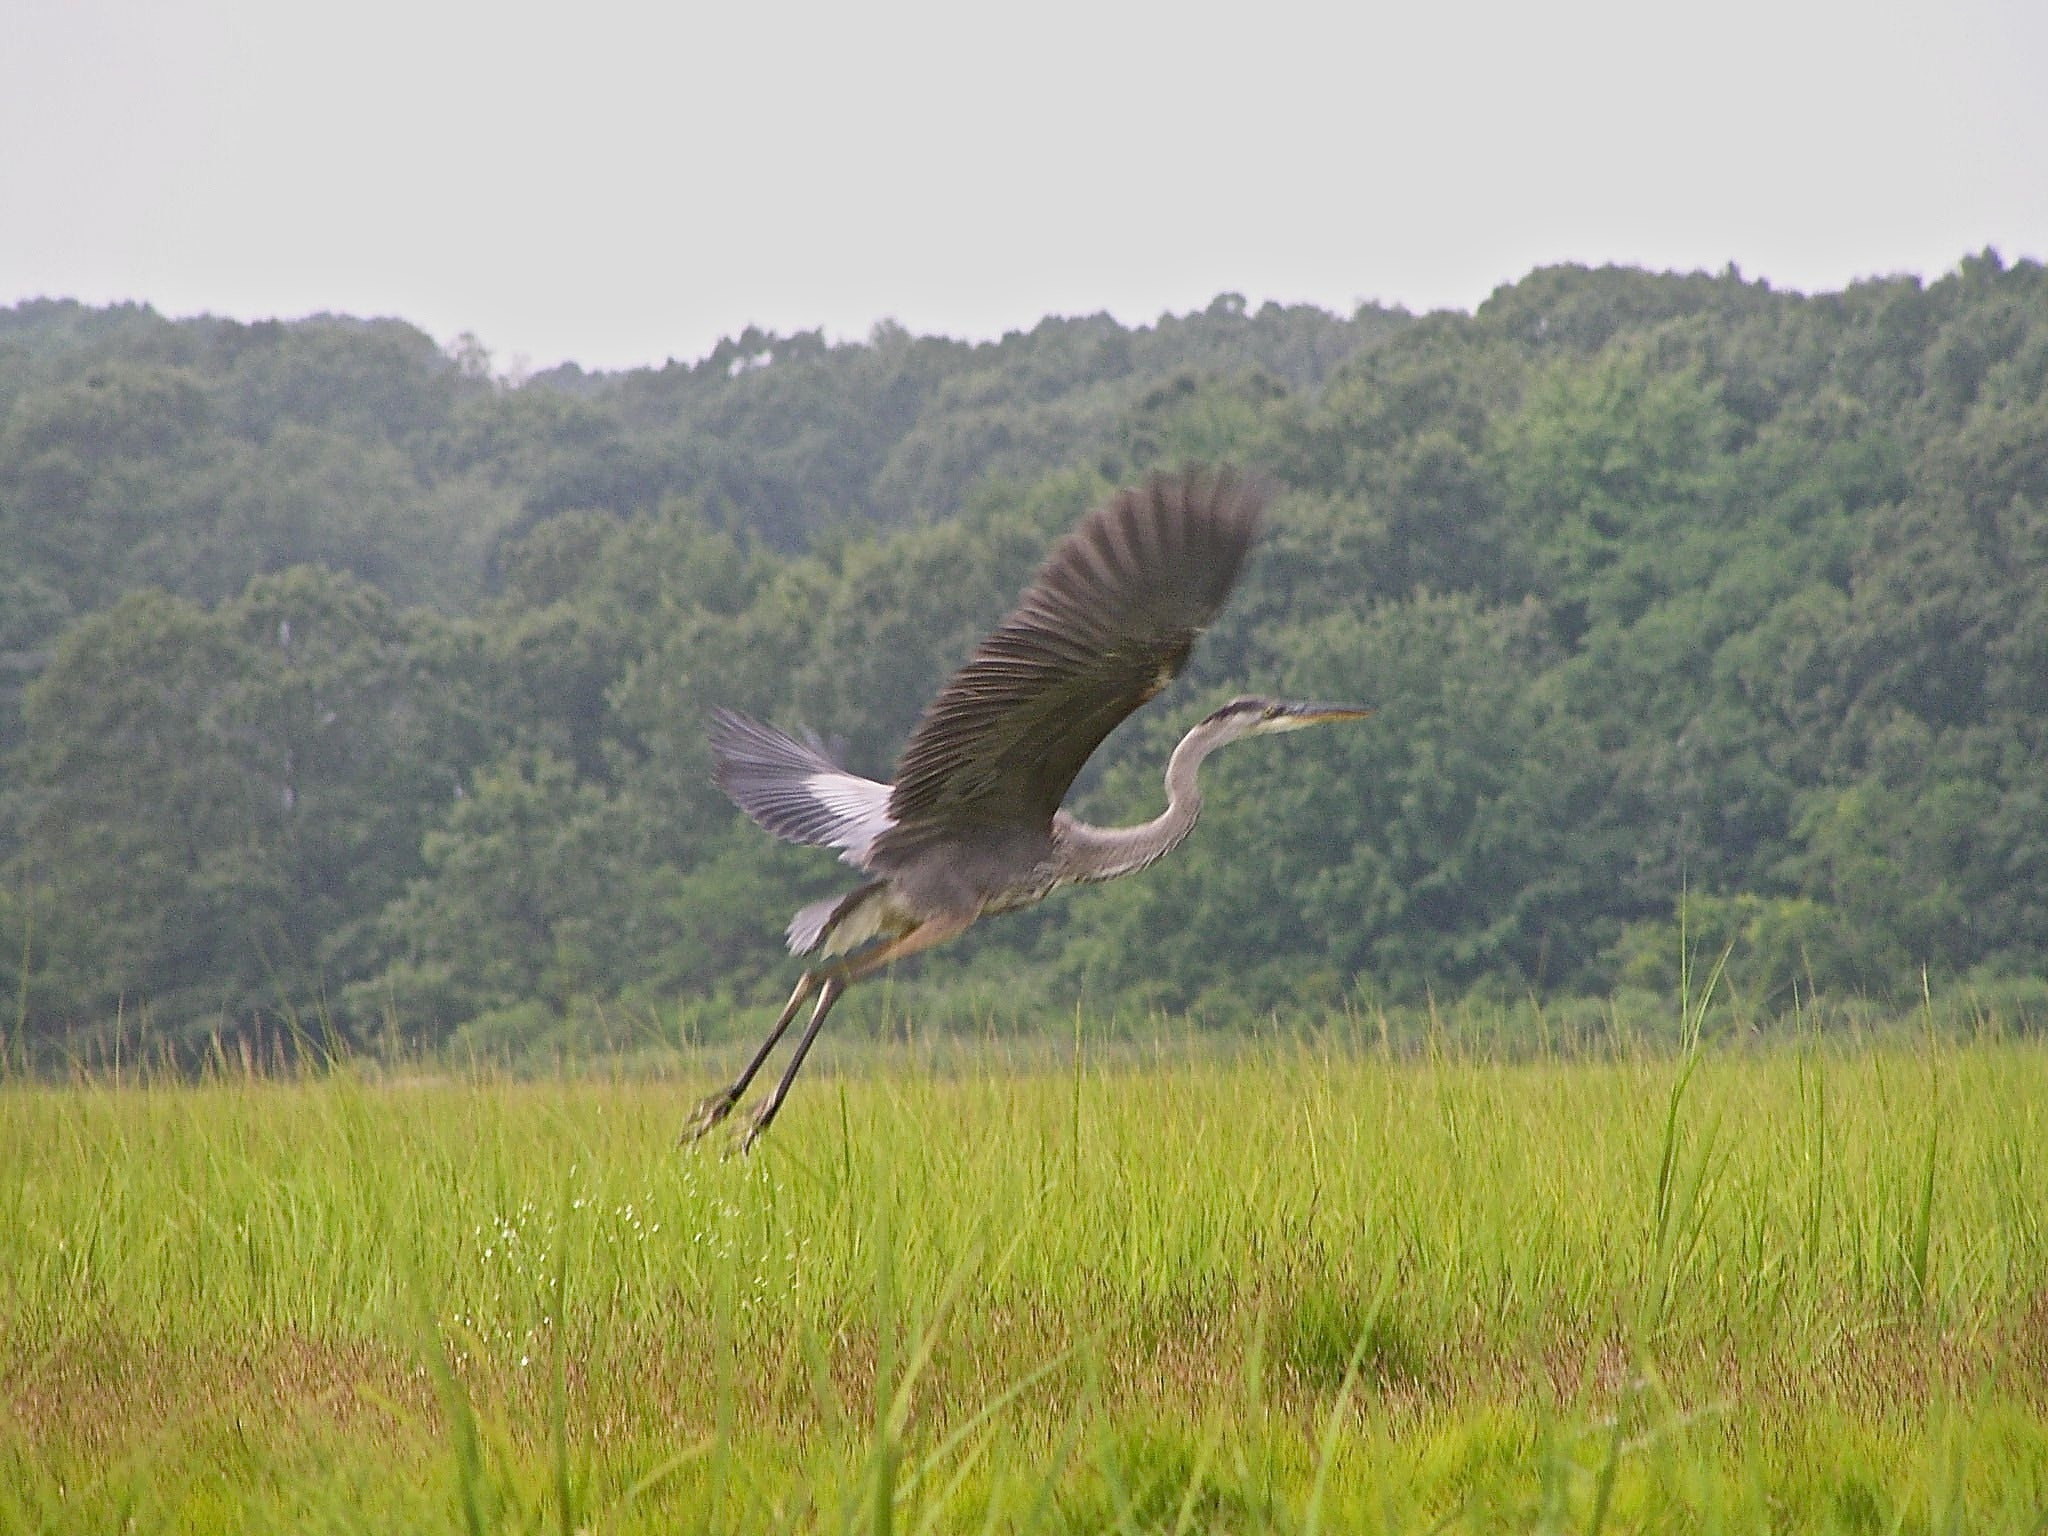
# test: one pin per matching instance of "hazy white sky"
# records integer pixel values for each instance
(621, 183)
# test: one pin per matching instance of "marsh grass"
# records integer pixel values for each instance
(1312, 1284)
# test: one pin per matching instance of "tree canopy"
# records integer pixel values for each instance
(337, 675)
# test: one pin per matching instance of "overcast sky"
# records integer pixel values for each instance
(617, 184)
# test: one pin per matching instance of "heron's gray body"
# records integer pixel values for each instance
(972, 825)
(1001, 870)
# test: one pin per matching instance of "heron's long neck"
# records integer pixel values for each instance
(1103, 853)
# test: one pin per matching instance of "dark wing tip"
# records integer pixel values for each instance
(1167, 551)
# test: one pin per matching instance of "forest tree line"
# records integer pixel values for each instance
(340, 679)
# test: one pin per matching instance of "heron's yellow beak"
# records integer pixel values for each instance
(1293, 717)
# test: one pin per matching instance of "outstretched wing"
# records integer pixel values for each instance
(1108, 623)
(796, 791)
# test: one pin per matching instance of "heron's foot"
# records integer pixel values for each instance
(758, 1121)
(708, 1115)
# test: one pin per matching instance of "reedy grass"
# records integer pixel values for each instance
(1303, 1287)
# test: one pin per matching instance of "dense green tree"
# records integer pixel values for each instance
(229, 795)
(139, 809)
(515, 902)
(336, 673)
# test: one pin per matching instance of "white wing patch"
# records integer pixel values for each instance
(794, 790)
(859, 811)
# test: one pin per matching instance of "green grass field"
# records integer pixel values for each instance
(1297, 1288)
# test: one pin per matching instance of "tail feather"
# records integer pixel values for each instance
(843, 923)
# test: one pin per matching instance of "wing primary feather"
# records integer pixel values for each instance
(1111, 617)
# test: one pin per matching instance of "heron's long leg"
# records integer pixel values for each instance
(933, 931)
(828, 994)
(715, 1108)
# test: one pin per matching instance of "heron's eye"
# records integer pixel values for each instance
(1272, 711)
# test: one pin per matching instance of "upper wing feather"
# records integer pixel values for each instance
(1108, 623)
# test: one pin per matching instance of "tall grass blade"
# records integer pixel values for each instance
(1603, 1489)
(558, 1375)
(1333, 1422)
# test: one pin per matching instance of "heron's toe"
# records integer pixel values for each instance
(756, 1123)
(706, 1117)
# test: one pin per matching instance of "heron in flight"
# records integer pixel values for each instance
(973, 825)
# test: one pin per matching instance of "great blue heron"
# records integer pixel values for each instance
(973, 825)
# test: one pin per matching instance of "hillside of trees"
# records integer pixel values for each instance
(342, 680)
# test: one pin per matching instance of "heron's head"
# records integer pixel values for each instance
(1265, 717)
